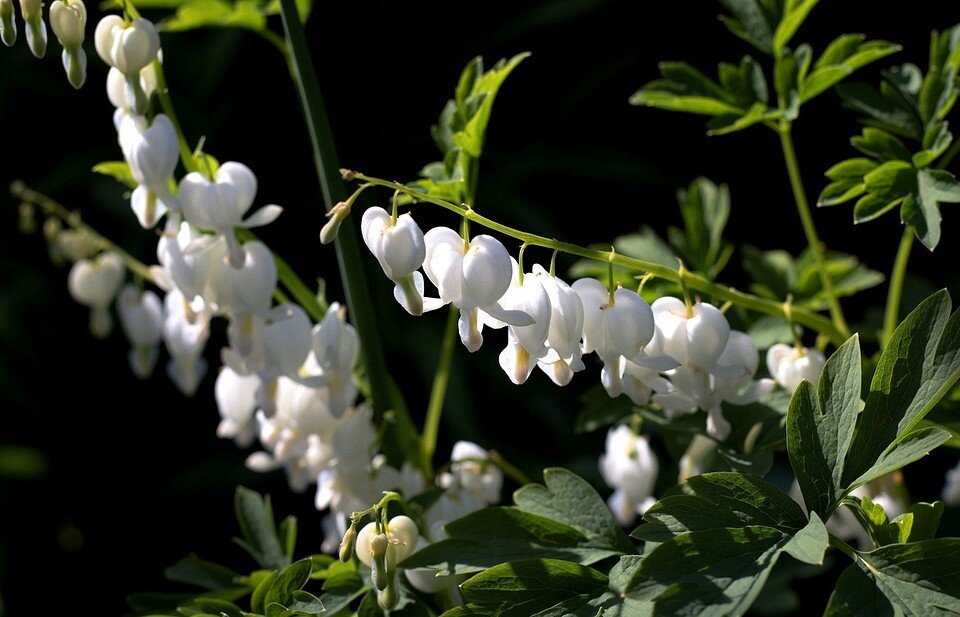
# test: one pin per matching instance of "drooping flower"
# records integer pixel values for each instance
(32, 13)
(189, 260)
(402, 534)
(152, 152)
(118, 94)
(248, 287)
(221, 203)
(141, 317)
(8, 23)
(400, 249)
(95, 284)
(236, 397)
(68, 19)
(630, 467)
(564, 354)
(335, 348)
(525, 344)
(695, 336)
(789, 365)
(129, 47)
(472, 472)
(473, 276)
(186, 328)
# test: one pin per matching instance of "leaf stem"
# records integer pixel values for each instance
(802, 316)
(809, 228)
(845, 548)
(53, 208)
(431, 425)
(359, 301)
(891, 316)
(509, 469)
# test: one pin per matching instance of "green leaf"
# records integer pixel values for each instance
(820, 425)
(884, 110)
(193, 14)
(914, 579)
(720, 499)
(290, 580)
(534, 585)
(810, 544)
(731, 123)
(933, 187)
(881, 145)
(255, 517)
(200, 573)
(750, 22)
(916, 369)
(705, 208)
(258, 597)
(569, 499)
(480, 103)
(708, 572)
(906, 449)
(841, 58)
(118, 170)
(497, 535)
(791, 22)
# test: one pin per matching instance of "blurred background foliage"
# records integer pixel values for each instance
(105, 480)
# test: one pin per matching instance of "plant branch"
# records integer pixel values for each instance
(809, 228)
(802, 316)
(891, 316)
(431, 425)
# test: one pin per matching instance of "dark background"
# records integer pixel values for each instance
(125, 477)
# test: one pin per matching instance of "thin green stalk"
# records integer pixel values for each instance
(891, 316)
(949, 155)
(809, 228)
(438, 393)
(359, 301)
(845, 548)
(53, 208)
(509, 469)
(802, 316)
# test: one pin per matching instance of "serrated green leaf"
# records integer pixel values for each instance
(841, 191)
(569, 499)
(917, 367)
(841, 58)
(881, 145)
(887, 112)
(820, 425)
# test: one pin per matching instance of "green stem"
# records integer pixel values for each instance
(845, 548)
(359, 301)
(809, 228)
(509, 469)
(802, 316)
(891, 316)
(163, 94)
(949, 155)
(431, 426)
(53, 208)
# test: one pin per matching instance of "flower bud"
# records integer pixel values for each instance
(387, 597)
(27, 221)
(790, 365)
(94, 284)
(378, 548)
(32, 13)
(348, 542)
(8, 23)
(336, 216)
(141, 317)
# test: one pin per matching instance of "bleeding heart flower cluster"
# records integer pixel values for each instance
(684, 357)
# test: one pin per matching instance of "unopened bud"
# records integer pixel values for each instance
(8, 24)
(387, 598)
(336, 215)
(347, 543)
(27, 219)
(347, 174)
(32, 13)
(378, 546)
(51, 227)
(68, 19)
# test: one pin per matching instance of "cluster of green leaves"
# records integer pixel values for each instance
(741, 97)
(705, 211)
(461, 131)
(905, 139)
(194, 14)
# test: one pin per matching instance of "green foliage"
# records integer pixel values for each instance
(539, 526)
(918, 523)
(118, 170)
(462, 129)
(908, 105)
(777, 275)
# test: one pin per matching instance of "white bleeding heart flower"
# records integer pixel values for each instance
(335, 350)
(564, 354)
(8, 23)
(129, 47)
(248, 287)
(696, 337)
(220, 204)
(616, 326)
(152, 153)
(271, 345)
(473, 277)
(189, 260)
(743, 390)
(951, 488)
(32, 13)
(789, 365)
(525, 344)
(472, 473)
(630, 467)
(186, 328)
(236, 397)
(400, 249)
(117, 89)
(141, 317)
(68, 19)
(402, 536)
(95, 283)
